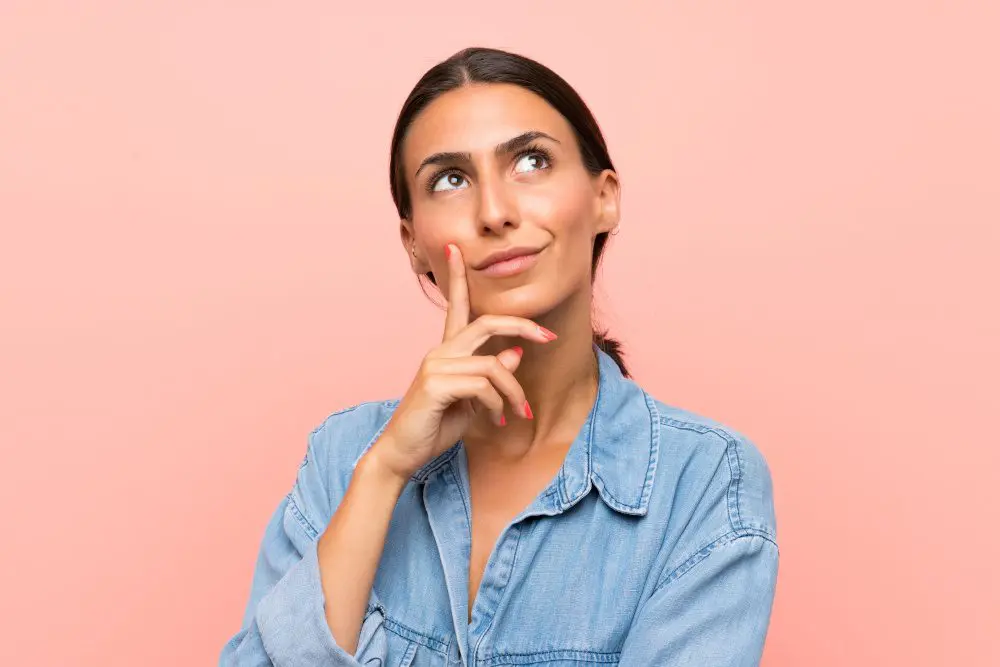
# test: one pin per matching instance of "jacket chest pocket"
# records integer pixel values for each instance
(379, 646)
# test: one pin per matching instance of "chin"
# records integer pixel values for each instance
(523, 301)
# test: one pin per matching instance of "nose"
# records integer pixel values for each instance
(497, 206)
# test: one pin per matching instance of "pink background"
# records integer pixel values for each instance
(200, 261)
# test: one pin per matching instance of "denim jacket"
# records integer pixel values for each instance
(654, 544)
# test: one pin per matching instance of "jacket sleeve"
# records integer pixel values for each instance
(285, 619)
(712, 610)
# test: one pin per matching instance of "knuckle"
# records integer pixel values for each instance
(431, 383)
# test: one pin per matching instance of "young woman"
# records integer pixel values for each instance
(525, 502)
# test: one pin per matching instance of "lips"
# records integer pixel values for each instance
(504, 255)
(509, 263)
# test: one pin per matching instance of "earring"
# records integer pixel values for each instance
(413, 249)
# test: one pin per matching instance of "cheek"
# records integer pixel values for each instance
(436, 225)
(565, 212)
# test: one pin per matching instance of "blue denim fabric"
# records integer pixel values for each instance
(654, 544)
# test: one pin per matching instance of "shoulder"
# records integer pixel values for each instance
(334, 446)
(715, 473)
(345, 434)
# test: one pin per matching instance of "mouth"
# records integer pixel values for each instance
(509, 263)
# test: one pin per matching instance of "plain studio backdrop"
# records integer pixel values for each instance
(200, 260)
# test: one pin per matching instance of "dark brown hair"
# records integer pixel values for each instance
(485, 65)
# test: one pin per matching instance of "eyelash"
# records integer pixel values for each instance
(532, 149)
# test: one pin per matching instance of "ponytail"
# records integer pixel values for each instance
(612, 348)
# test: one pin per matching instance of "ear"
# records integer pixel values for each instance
(409, 240)
(608, 202)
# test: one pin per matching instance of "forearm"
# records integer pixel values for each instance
(351, 546)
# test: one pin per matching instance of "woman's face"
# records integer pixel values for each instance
(493, 168)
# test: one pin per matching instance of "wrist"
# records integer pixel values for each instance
(375, 466)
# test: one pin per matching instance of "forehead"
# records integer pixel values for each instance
(477, 117)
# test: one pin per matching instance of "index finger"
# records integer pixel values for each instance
(458, 293)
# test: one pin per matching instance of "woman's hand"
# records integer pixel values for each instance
(453, 382)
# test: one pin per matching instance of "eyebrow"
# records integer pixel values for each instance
(503, 148)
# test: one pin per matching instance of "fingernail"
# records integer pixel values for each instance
(545, 332)
(447, 251)
(503, 420)
(518, 350)
(527, 411)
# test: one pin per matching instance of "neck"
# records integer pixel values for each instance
(559, 380)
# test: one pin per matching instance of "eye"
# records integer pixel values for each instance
(531, 162)
(449, 181)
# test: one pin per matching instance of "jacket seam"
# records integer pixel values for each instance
(654, 449)
(300, 518)
(506, 586)
(409, 634)
(503, 658)
(389, 624)
(735, 468)
(351, 408)
(707, 550)
(735, 477)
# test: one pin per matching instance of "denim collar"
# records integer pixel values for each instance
(616, 450)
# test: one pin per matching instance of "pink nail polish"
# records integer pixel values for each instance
(503, 420)
(545, 332)
(447, 251)
(518, 350)
(527, 411)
